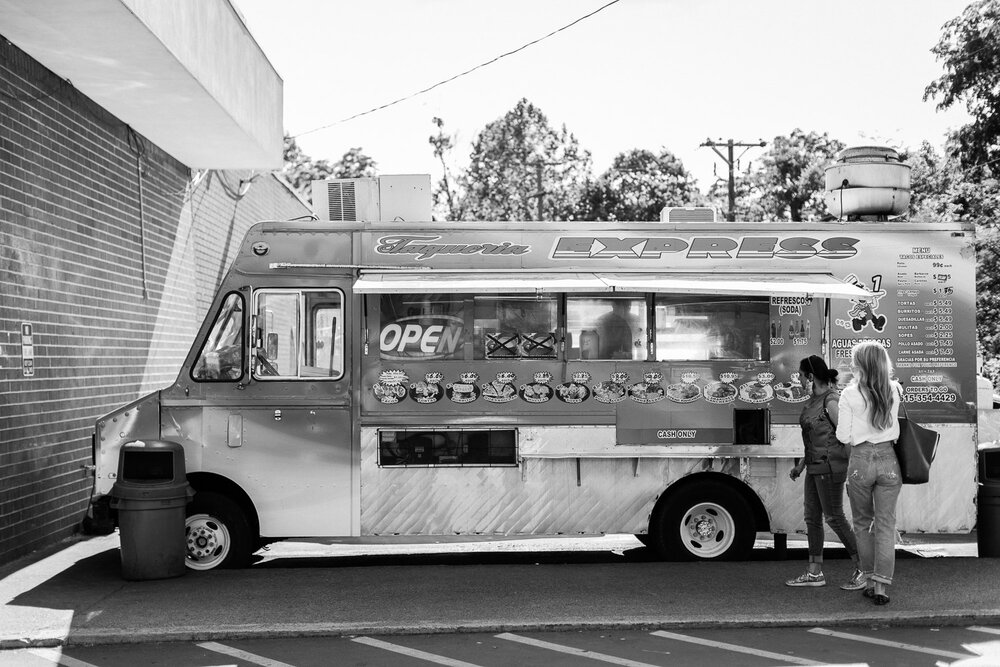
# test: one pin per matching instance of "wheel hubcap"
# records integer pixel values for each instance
(708, 530)
(207, 542)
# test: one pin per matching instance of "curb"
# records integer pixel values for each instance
(85, 637)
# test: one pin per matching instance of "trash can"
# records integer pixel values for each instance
(151, 495)
(988, 521)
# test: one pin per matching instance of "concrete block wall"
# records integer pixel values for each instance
(111, 250)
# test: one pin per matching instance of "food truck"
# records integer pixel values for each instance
(401, 378)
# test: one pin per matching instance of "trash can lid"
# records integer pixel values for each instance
(989, 466)
(126, 490)
(151, 461)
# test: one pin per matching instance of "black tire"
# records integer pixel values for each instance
(703, 521)
(218, 533)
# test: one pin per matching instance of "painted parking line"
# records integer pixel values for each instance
(412, 652)
(980, 628)
(579, 652)
(737, 648)
(243, 655)
(890, 643)
(54, 656)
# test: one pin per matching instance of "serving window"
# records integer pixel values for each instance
(422, 326)
(607, 327)
(695, 328)
(516, 327)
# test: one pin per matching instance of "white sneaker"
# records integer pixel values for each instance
(807, 579)
(856, 582)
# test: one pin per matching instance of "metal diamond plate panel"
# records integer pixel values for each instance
(542, 496)
(549, 494)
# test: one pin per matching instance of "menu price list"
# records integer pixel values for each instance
(925, 331)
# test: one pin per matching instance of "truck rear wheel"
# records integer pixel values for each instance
(217, 533)
(703, 521)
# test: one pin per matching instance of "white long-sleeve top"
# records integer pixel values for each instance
(854, 425)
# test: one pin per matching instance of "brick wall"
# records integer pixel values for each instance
(114, 283)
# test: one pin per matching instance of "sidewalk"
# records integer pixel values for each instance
(77, 596)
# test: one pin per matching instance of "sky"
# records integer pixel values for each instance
(648, 74)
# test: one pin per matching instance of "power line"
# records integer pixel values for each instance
(468, 71)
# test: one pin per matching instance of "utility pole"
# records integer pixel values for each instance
(540, 193)
(729, 160)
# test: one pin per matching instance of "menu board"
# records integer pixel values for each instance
(925, 321)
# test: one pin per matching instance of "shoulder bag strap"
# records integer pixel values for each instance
(826, 410)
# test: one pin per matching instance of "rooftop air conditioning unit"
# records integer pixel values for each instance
(395, 198)
(689, 214)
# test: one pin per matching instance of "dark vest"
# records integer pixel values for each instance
(824, 453)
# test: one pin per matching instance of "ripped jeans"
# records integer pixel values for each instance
(873, 485)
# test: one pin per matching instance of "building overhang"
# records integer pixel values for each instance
(186, 74)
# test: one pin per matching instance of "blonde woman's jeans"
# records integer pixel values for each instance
(873, 484)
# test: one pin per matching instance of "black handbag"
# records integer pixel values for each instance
(915, 449)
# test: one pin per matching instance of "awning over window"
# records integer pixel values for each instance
(741, 284)
(746, 284)
(481, 283)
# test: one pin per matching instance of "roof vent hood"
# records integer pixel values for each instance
(867, 183)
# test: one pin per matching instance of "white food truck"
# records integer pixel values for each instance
(391, 378)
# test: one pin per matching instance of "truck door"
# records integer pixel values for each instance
(295, 424)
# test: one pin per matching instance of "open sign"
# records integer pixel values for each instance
(421, 337)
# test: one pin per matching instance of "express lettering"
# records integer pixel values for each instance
(704, 247)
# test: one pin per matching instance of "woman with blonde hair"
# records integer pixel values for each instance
(869, 408)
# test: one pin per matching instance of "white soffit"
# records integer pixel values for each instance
(186, 74)
(749, 284)
(743, 284)
(480, 283)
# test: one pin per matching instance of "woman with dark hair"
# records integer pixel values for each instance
(868, 422)
(825, 463)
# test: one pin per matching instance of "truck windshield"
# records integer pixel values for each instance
(222, 355)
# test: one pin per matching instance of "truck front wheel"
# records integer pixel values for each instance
(703, 521)
(217, 533)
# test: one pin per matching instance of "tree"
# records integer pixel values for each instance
(301, 170)
(507, 158)
(988, 301)
(637, 185)
(444, 194)
(969, 50)
(354, 164)
(748, 207)
(940, 192)
(789, 183)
